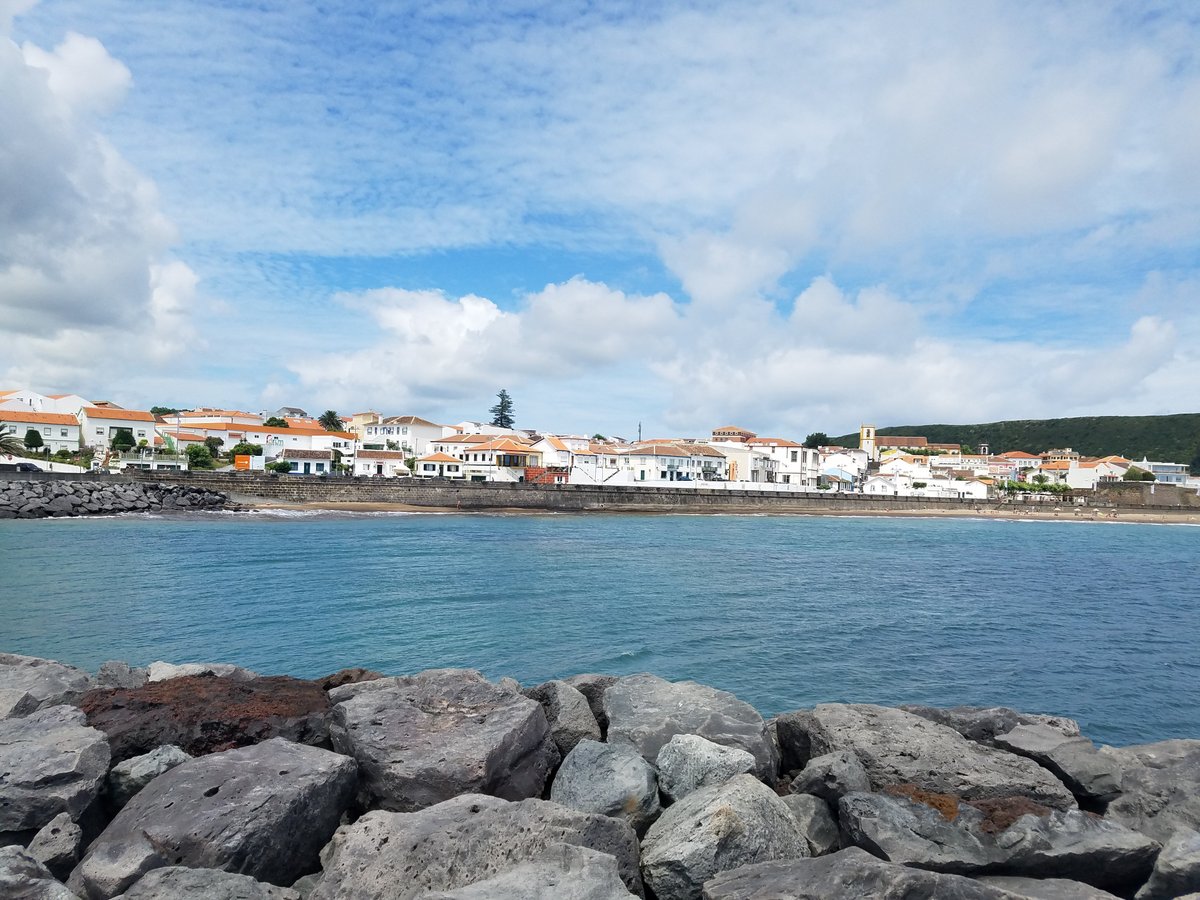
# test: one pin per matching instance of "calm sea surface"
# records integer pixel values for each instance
(1096, 621)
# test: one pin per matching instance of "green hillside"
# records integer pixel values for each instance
(1165, 438)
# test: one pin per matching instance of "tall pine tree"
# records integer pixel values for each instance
(502, 412)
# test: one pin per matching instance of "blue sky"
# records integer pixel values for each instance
(793, 217)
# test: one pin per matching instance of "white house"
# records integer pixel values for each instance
(58, 431)
(1085, 474)
(31, 401)
(382, 464)
(410, 434)
(308, 462)
(599, 463)
(206, 415)
(846, 459)
(439, 465)
(797, 464)
(748, 463)
(99, 425)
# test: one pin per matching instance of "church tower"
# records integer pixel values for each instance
(866, 441)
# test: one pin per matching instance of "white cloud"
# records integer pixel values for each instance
(81, 74)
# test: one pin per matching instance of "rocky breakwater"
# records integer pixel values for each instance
(210, 781)
(45, 499)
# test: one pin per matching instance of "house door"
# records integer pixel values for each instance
(307, 468)
(379, 469)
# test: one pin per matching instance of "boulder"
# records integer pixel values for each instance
(646, 711)
(611, 780)
(28, 684)
(1079, 846)
(50, 763)
(457, 843)
(126, 778)
(910, 833)
(850, 873)
(592, 687)
(1091, 775)
(423, 739)
(816, 823)
(347, 676)
(568, 714)
(1160, 788)
(117, 674)
(560, 872)
(207, 714)
(715, 829)
(263, 811)
(58, 845)
(24, 878)
(165, 671)
(182, 883)
(831, 776)
(896, 747)
(1177, 869)
(688, 761)
(1046, 888)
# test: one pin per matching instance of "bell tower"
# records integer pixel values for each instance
(866, 441)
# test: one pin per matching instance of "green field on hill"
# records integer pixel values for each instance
(1174, 438)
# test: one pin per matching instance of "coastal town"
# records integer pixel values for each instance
(66, 432)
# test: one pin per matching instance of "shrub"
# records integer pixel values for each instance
(199, 457)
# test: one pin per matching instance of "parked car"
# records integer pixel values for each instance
(19, 467)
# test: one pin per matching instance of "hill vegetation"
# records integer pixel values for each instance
(1174, 438)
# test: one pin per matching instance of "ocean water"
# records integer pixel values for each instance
(1098, 621)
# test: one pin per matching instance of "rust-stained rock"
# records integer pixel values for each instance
(206, 714)
(347, 676)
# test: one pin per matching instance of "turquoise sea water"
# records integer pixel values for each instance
(1095, 621)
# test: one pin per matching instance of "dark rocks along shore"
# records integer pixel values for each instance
(213, 782)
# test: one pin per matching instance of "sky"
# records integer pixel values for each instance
(791, 217)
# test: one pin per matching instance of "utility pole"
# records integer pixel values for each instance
(639, 432)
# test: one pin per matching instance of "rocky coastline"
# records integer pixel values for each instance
(214, 782)
(29, 499)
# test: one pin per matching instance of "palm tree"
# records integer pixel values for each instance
(330, 421)
(10, 444)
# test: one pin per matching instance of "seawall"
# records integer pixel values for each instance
(40, 498)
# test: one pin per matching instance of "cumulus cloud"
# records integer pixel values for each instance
(87, 283)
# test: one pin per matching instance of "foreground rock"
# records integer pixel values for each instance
(1090, 775)
(207, 714)
(423, 739)
(646, 711)
(716, 829)
(816, 823)
(461, 842)
(263, 811)
(165, 671)
(181, 883)
(848, 873)
(983, 724)
(118, 674)
(687, 762)
(1177, 869)
(51, 762)
(832, 776)
(896, 747)
(593, 688)
(912, 834)
(1160, 788)
(24, 878)
(28, 684)
(568, 714)
(560, 872)
(58, 845)
(128, 777)
(611, 780)
(24, 499)
(1046, 888)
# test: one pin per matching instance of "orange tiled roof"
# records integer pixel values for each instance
(103, 412)
(439, 457)
(16, 415)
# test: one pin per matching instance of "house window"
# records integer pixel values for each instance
(62, 432)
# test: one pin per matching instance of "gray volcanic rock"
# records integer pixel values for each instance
(116, 674)
(165, 671)
(910, 833)
(1177, 869)
(983, 724)
(58, 845)
(715, 829)
(50, 762)
(263, 811)
(593, 687)
(182, 883)
(560, 872)
(1078, 764)
(128, 777)
(815, 821)
(611, 780)
(1160, 790)
(24, 878)
(850, 873)
(1078, 846)
(647, 711)
(896, 747)
(469, 839)
(832, 776)
(1046, 888)
(423, 739)
(28, 684)
(688, 761)
(568, 714)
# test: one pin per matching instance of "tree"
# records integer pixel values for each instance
(599, 437)
(1039, 478)
(245, 448)
(1195, 466)
(33, 440)
(276, 422)
(331, 421)
(123, 440)
(816, 439)
(10, 444)
(199, 457)
(1133, 473)
(214, 444)
(502, 412)
(163, 410)
(391, 445)
(281, 466)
